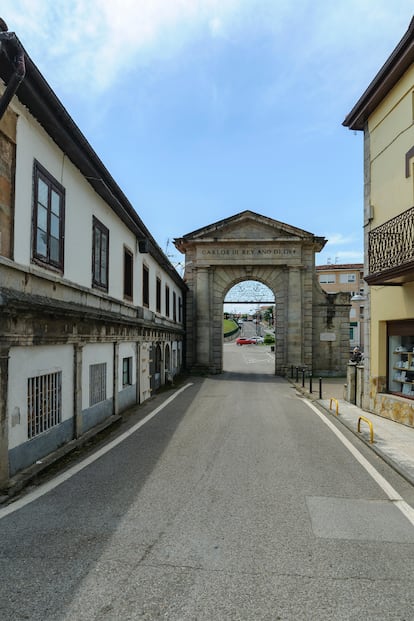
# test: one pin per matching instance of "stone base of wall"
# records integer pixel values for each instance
(398, 409)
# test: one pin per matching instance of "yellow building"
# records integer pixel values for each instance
(348, 277)
(385, 113)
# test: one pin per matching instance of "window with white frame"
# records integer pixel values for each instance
(44, 403)
(327, 278)
(347, 278)
(97, 383)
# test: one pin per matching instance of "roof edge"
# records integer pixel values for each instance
(392, 70)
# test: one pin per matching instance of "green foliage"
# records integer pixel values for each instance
(269, 339)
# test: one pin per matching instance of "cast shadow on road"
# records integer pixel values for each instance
(67, 532)
(240, 376)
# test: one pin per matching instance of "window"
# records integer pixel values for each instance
(167, 301)
(44, 403)
(48, 218)
(145, 285)
(327, 278)
(100, 255)
(97, 383)
(401, 357)
(158, 295)
(126, 372)
(180, 310)
(345, 278)
(128, 273)
(174, 306)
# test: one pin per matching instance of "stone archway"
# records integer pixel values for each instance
(249, 246)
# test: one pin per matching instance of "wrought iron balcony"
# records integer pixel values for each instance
(391, 251)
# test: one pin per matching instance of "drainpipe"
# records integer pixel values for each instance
(11, 47)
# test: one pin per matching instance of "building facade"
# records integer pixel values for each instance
(91, 309)
(385, 114)
(349, 277)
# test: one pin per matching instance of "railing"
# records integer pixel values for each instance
(371, 428)
(391, 244)
(333, 400)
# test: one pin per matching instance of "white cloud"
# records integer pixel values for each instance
(92, 42)
(88, 44)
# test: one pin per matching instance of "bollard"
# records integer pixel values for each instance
(297, 374)
(310, 383)
(291, 372)
(303, 378)
(320, 388)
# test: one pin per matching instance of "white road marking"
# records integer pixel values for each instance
(392, 494)
(61, 478)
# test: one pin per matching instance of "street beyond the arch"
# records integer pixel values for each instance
(234, 502)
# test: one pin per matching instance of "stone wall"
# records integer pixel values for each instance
(330, 332)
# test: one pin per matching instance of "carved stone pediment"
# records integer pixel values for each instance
(248, 226)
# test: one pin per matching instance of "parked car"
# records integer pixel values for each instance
(245, 341)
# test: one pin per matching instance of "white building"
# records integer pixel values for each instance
(91, 310)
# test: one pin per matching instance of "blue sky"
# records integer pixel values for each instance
(201, 109)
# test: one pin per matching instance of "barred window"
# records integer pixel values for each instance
(97, 383)
(44, 403)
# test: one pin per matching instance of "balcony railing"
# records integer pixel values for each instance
(391, 250)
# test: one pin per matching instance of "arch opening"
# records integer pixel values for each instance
(249, 315)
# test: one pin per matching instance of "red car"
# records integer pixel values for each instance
(245, 341)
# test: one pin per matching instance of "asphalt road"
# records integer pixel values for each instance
(234, 501)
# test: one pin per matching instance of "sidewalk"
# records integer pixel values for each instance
(393, 442)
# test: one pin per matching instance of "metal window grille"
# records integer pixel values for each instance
(44, 403)
(97, 383)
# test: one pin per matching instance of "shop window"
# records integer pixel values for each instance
(401, 358)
